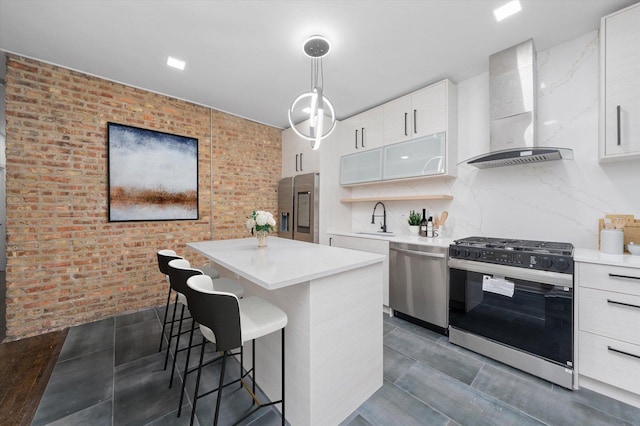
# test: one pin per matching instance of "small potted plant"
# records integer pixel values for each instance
(414, 222)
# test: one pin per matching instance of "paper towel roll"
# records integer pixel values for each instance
(611, 241)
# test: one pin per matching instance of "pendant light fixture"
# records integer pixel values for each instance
(314, 105)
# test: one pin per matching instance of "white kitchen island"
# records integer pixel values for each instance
(333, 298)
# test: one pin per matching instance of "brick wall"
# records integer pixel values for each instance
(66, 264)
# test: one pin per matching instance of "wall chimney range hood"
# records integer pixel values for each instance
(513, 102)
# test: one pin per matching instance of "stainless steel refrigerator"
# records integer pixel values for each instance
(298, 207)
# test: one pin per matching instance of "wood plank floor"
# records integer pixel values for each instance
(25, 368)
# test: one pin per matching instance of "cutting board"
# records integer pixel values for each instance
(631, 228)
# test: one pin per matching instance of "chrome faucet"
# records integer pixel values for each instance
(384, 216)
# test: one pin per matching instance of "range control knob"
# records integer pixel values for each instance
(466, 253)
(562, 264)
(477, 254)
(455, 251)
(546, 263)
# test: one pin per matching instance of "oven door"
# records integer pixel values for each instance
(528, 310)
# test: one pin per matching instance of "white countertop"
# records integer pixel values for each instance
(283, 262)
(595, 256)
(397, 238)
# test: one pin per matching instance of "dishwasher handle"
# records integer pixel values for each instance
(420, 253)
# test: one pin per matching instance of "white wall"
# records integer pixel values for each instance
(556, 201)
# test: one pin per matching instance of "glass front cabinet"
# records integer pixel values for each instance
(413, 158)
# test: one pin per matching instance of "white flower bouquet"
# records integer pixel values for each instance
(261, 221)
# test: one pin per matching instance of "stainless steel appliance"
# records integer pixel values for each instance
(298, 207)
(418, 284)
(513, 102)
(512, 300)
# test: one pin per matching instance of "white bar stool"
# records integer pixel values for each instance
(164, 257)
(230, 322)
(179, 271)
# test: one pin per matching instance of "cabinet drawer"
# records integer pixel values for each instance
(610, 314)
(611, 278)
(610, 361)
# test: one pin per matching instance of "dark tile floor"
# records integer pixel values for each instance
(110, 373)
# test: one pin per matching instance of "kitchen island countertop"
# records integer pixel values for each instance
(283, 262)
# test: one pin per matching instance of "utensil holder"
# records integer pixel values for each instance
(612, 241)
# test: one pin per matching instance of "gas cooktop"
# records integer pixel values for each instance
(539, 255)
(550, 247)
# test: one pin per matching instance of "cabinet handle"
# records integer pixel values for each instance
(301, 163)
(356, 138)
(297, 163)
(405, 124)
(629, 277)
(613, 302)
(622, 352)
(415, 124)
(618, 123)
(362, 138)
(330, 240)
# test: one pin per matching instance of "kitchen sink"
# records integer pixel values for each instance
(378, 234)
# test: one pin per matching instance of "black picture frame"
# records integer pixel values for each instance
(152, 175)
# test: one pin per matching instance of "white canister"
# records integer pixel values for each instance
(612, 241)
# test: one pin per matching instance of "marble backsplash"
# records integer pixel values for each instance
(554, 201)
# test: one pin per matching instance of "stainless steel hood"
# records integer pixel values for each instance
(513, 102)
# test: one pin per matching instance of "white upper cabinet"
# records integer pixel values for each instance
(620, 85)
(415, 158)
(297, 155)
(362, 131)
(361, 167)
(419, 114)
(419, 138)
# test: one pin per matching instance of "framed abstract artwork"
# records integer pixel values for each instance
(152, 175)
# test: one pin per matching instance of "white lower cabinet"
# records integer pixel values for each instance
(608, 335)
(371, 246)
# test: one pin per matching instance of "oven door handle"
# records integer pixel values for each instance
(419, 253)
(533, 275)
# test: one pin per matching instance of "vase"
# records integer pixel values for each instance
(262, 238)
(414, 229)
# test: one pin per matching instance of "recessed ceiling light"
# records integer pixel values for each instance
(404, 157)
(175, 63)
(507, 10)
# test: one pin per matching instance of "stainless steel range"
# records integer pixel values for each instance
(512, 300)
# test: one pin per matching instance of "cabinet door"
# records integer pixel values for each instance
(398, 120)
(362, 131)
(297, 155)
(429, 110)
(290, 147)
(361, 167)
(418, 157)
(621, 71)
(370, 246)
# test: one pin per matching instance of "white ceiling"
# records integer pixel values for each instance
(245, 57)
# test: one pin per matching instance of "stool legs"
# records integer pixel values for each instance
(195, 395)
(221, 384)
(164, 321)
(186, 367)
(173, 320)
(283, 417)
(175, 353)
(224, 363)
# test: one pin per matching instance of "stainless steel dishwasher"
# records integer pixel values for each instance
(419, 284)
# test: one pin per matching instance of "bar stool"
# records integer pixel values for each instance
(179, 271)
(164, 257)
(230, 322)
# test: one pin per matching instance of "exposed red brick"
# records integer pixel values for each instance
(66, 264)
